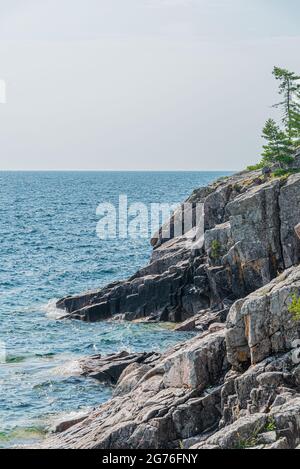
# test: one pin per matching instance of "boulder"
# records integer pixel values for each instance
(130, 377)
(108, 369)
(261, 325)
(66, 424)
(188, 325)
(241, 434)
(199, 363)
(267, 438)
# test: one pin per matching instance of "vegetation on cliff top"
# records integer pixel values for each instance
(282, 140)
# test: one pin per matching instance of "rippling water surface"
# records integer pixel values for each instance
(49, 248)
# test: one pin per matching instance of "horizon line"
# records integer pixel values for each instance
(121, 170)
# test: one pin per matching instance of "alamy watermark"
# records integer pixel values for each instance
(138, 220)
(2, 92)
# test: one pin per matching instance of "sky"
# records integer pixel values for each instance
(140, 84)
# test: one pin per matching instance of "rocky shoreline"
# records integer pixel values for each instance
(236, 384)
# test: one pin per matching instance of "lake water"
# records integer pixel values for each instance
(49, 248)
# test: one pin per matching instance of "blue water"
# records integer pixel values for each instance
(49, 249)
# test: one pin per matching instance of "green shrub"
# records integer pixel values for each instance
(215, 249)
(271, 425)
(256, 166)
(280, 172)
(294, 307)
(246, 444)
(252, 441)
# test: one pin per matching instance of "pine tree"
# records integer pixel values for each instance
(289, 88)
(296, 120)
(281, 143)
(279, 147)
(296, 129)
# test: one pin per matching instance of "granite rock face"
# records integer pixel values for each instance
(237, 383)
(261, 325)
(175, 400)
(249, 238)
(289, 204)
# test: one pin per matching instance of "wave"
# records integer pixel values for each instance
(11, 359)
(52, 312)
(54, 420)
(69, 368)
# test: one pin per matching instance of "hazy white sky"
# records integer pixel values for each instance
(140, 84)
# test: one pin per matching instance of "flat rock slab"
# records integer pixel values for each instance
(203, 320)
(109, 368)
(66, 424)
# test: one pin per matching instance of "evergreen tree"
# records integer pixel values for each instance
(279, 147)
(295, 117)
(281, 143)
(289, 88)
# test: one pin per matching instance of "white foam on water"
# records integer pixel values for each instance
(69, 368)
(54, 420)
(52, 311)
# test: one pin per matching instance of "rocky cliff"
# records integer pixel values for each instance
(251, 226)
(237, 383)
